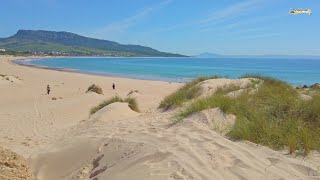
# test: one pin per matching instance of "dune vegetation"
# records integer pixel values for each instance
(131, 102)
(132, 91)
(95, 88)
(312, 90)
(272, 114)
(316, 89)
(187, 92)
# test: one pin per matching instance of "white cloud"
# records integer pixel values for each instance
(243, 22)
(230, 12)
(260, 36)
(221, 15)
(124, 24)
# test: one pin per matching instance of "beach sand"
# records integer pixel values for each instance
(60, 140)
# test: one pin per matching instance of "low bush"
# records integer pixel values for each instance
(183, 94)
(131, 102)
(95, 88)
(274, 116)
(133, 91)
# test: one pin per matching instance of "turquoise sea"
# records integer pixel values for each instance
(294, 71)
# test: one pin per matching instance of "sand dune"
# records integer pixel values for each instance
(214, 119)
(209, 86)
(61, 140)
(145, 148)
(114, 112)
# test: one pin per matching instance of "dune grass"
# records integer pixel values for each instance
(183, 94)
(131, 101)
(133, 91)
(273, 116)
(227, 89)
(95, 88)
(314, 90)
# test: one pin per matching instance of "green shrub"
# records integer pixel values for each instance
(185, 93)
(274, 116)
(132, 104)
(133, 91)
(315, 90)
(131, 101)
(227, 89)
(95, 88)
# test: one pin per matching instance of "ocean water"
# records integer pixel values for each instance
(294, 71)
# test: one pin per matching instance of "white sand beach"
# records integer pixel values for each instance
(60, 140)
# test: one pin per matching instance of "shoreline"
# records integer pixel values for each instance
(24, 62)
(16, 61)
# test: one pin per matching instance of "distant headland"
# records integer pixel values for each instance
(40, 42)
(215, 55)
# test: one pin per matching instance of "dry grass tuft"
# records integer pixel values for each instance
(131, 102)
(274, 116)
(132, 91)
(95, 88)
(187, 92)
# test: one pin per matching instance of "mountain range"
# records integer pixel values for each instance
(214, 55)
(207, 55)
(42, 42)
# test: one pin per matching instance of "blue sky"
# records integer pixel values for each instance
(232, 27)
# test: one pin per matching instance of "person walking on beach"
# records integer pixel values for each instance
(113, 86)
(48, 89)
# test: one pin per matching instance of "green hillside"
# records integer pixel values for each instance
(65, 43)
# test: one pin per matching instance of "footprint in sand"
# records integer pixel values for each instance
(182, 172)
(176, 176)
(305, 170)
(152, 130)
(25, 144)
(273, 160)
